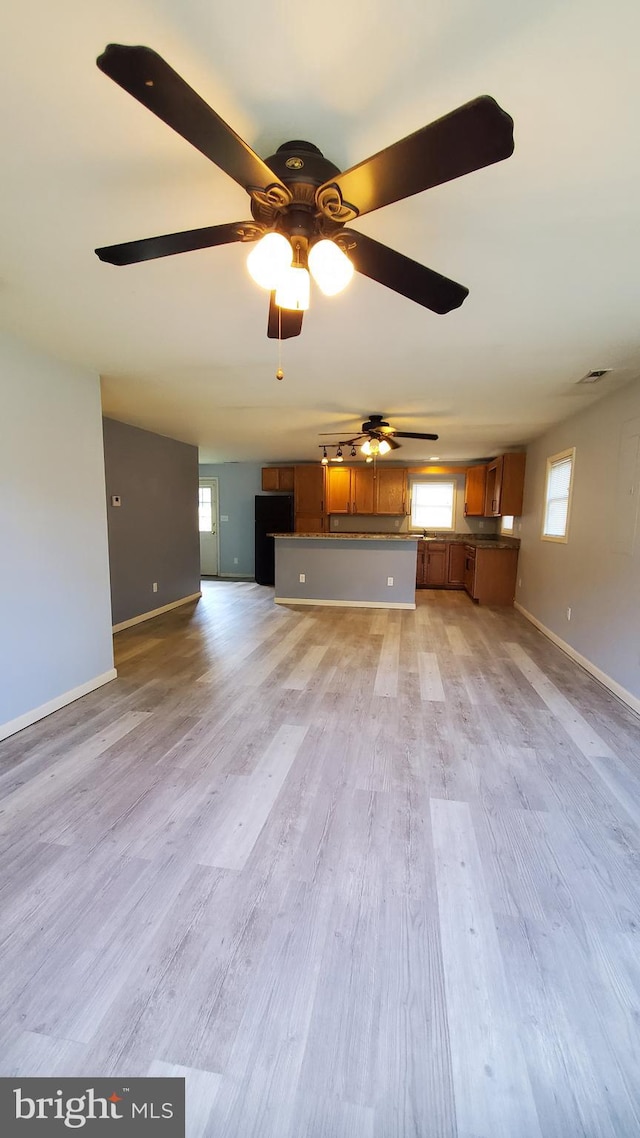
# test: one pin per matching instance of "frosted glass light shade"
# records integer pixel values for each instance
(383, 446)
(371, 447)
(330, 268)
(269, 260)
(293, 289)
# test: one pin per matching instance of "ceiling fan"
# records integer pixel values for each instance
(300, 201)
(379, 438)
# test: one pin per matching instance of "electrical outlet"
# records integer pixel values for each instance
(389, 580)
(155, 586)
(569, 613)
(235, 561)
(519, 582)
(302, 578)
(480, 525)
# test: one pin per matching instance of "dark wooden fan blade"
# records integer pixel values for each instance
(414, 435)
(475, 135)
(283, 323)
(145, 75)
(403, 275)
(150, 248)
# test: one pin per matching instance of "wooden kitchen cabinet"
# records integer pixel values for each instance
(455, 565)
(435, 572)
(308, 499)
(352, 490)
(475, 485)
(440, 565)
(277, 478)
(362, 490)
(421, 564)
(490, 575)
(390, 490)
(505, 485)
(338, 490)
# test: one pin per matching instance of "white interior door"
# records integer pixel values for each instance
(208, 519)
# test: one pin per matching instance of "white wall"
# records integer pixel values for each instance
(597, 573)
(55, 613)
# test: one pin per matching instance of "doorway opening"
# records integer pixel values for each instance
(208, 524)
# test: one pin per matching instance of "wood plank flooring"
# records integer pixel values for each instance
(354, 874)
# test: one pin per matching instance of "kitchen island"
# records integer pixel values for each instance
(352, 569)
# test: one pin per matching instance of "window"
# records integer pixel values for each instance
(433, 505)
(557, 496)
(205, 516)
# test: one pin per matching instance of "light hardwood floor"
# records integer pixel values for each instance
(354, 873)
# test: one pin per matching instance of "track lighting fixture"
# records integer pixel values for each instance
(373, 447)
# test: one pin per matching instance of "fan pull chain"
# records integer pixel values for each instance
(279, 373)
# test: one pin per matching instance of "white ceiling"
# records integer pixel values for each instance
(547, 242)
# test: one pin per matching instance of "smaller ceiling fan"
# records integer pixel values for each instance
(379, 438)
(300, 200)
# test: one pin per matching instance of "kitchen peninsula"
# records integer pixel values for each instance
(351, 569)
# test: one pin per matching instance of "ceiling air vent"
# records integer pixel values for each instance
(595, 375)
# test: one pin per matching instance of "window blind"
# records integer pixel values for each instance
(557, 504)
(432, 505)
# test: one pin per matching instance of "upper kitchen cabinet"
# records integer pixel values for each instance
(308, 498)
(362, 490)
(339, 489)
(277, 478)
(350, 490)
(475, 486)
(505, 485)
(390, 490)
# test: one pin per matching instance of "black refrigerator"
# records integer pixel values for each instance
(274, 514)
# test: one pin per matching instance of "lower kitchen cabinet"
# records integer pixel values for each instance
(435, 572)
(455, 565)
(490, 575)
(440, 565)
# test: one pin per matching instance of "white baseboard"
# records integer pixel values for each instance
(617, 689)
(154, 612)
(15, 725)
(346, 604)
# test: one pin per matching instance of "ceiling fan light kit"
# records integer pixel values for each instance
(330, 267)
(269, 260)
(299, 196)
(294, 290)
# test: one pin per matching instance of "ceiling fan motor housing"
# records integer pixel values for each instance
(302, 167)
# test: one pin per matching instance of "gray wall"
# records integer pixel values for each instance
(597, 573)
(153, 535)
(343, 570)
(55, 617)
(238, 484)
